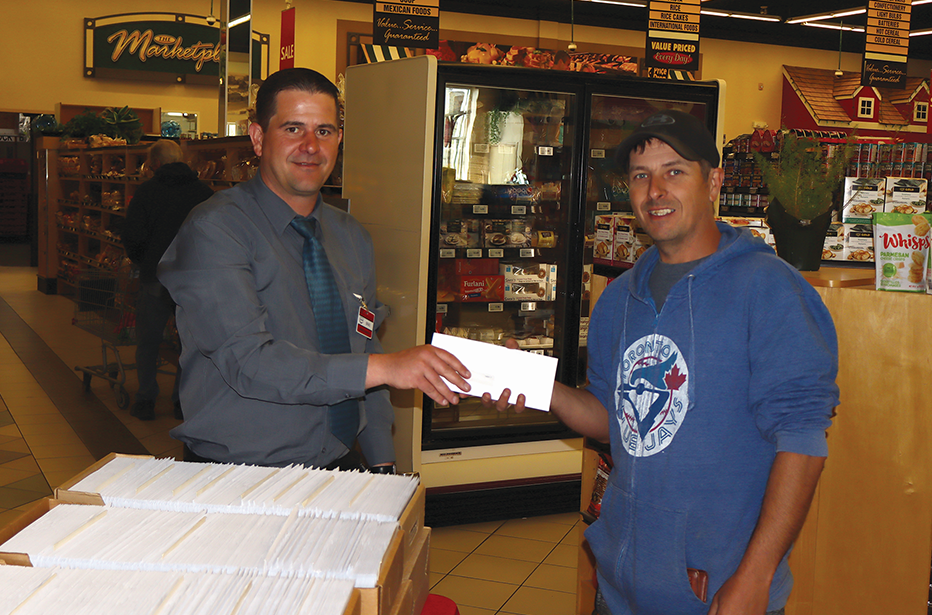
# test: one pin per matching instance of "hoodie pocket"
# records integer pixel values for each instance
(641, 553)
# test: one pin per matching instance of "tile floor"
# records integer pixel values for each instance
(50, 429)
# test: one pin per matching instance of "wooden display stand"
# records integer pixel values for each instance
(82, 204)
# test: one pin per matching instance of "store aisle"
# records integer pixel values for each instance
(50, 429)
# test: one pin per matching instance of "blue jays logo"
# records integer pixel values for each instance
(651, 394)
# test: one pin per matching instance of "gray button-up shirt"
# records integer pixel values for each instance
(254, 387)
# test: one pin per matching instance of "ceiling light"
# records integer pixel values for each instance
(832, 26)
(739, 15)
(239, 20)
(833, 15)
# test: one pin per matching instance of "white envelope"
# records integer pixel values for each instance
(496, 368)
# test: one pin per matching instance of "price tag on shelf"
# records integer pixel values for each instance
(441, 308)
(496, 253)
(474, 253)
(603, 206)
(597, 153)
(519, 210)
(480, 209)
(528, 306)
(496, 307)
(480, 148)
(537, 351)
(526, 253)
(545, 150)
(447, 253)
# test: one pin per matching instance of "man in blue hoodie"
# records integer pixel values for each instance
(713, 377)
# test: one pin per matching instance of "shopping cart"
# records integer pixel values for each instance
(105, 306)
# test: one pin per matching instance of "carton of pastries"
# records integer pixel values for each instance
(506, 234)
(859, 243)
(529, 272)
(530, 291)
(602, 248)
(905, 195)
(480, 288)
(862, 197)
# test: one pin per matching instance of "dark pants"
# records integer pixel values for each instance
(350, 461)
(154, 307)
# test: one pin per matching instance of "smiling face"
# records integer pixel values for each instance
(673, 201)
(299, 148)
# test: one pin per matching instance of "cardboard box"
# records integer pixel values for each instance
(417, 566)
(625, 241)
(602, 248)
(859, 243)
(475, 266)
(64, 493)
(531, 272)
(515, 233)
(861, 198)
(530, 291)
(459, 234)
(833, 249)
(404, 602)
(905, 195)
(483, 288)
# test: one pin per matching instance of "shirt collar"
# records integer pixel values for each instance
(279, 213)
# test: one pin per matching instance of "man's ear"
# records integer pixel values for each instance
(256, 135)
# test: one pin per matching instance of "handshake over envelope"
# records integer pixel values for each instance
(496, 368)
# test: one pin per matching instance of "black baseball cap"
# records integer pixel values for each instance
(683, 132)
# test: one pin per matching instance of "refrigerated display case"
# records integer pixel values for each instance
(482, 188)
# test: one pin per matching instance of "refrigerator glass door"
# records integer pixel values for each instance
(504, 207)
(614, 241)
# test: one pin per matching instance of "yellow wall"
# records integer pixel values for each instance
(41, 55)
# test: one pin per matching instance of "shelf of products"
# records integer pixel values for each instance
(83, 201)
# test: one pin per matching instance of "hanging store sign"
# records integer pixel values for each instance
(407, 23)
(673, 36)
(286, 50)
(887, 44)
(161, 47)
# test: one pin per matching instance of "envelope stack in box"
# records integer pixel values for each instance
(270, 525)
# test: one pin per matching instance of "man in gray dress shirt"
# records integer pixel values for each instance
(255, 387)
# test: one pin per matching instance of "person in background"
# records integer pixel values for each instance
(714, 380)
(155, 213)
(277, 307)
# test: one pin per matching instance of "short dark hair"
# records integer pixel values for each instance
(303, 79)
(639, 146)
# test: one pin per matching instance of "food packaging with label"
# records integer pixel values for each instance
(459, 234)
(602, 249)
(506, 234)
(486, 288)
(862, 197)
(905, 195)
(859, 243)
(901, 250)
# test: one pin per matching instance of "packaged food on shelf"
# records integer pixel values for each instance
(859, 243)
(603, 247)
(480, 288)
(624, 240)
(543, 239)
(834, 247)
(529, 272)
(862, 197)
(530, 291)
(514, 233)
(459, 233)
(476, 266)
(905, 195)
(901, 250)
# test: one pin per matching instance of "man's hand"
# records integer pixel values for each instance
(742, 595)
(419, 368)
(501, 404)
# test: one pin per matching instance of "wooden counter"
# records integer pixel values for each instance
(838, 277)
(867, 543)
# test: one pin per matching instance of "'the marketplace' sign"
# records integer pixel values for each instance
(161, 47)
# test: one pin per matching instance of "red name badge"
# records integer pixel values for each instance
(365, 321)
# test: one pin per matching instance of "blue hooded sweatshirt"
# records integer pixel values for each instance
(738, 365)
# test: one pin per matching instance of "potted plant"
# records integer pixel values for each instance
(801, 183)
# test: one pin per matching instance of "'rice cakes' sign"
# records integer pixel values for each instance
(407, 23)
(673, 36)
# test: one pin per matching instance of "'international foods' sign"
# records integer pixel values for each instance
(886, 44)
(160, 47)
(673, 36)
(407, 23)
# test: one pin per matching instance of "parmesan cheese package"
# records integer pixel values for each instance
(901, 251)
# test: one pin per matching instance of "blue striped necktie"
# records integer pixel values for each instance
(332, 333)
